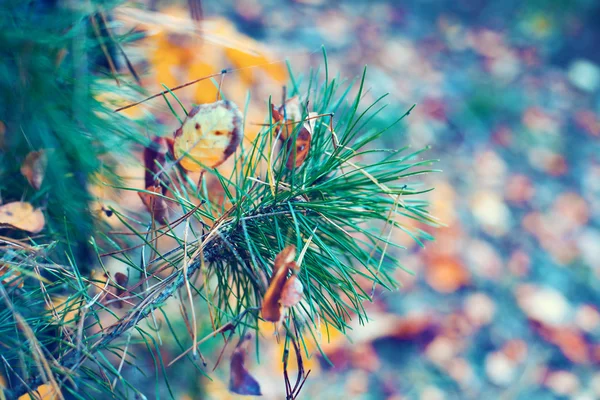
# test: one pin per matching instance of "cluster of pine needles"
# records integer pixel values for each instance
(340, 209)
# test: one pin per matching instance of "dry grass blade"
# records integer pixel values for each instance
(164, 92)
(109, 59)
(189, 291)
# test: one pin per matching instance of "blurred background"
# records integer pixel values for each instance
(504, 304)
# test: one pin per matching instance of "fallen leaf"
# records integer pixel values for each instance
(291, 294)
(120, 289)
(22, 215)
(156, 205)
(154, 160)
(289, 114)
(209, 135)
(446, 275)
(287, 117)
(298, 149)
(64, 310)
(240, 381)
(271, 309)
(34, 168)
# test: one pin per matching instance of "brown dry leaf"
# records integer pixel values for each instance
(121, 279)
(22, 215)
(209, 135)
(298, 150)
(156, 205)
(240, 381)
(290, 112)
(271, 308)
(286, 117)
(34, 168)
(291, 294)
(154, 160)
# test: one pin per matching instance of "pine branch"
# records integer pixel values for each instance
(346, 196)
(154, 300)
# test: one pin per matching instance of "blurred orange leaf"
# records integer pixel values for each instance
(446, 275)
(22, 215)
(34, 168)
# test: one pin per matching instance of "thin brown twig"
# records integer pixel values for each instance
(164, 92)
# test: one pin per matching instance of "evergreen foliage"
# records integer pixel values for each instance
(338, 208)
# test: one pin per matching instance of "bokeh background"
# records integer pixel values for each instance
(504, 304)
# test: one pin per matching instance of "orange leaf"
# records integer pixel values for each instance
(209, 135)
(21, 215)
(45, 392)
(271, 307)
(289, 115)
(291, 294)
(240, 381)
(298, 150)
(447, 275)
(34, 168)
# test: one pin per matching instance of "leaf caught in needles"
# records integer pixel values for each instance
(292, 291)
(156, 205)
(287, 116)
(240, 381)
(22, 215)
(154, 160)
(273, 302)
(298, 149)
(121, 279)
(209, 135)
(34, 168)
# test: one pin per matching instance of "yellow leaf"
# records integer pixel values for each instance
(209, 135)
(22, 216)
(45, 391)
